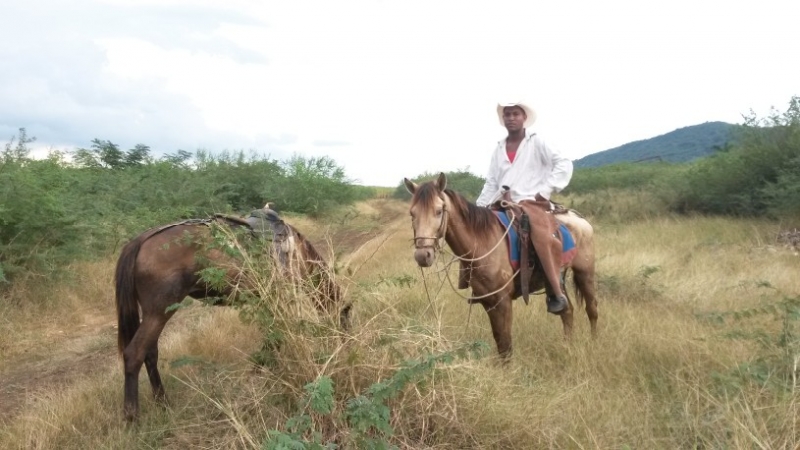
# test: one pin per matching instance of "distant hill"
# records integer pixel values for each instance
(683, 144)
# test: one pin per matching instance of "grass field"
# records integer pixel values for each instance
(698, 347)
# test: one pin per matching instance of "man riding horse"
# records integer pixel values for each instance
(531, 171)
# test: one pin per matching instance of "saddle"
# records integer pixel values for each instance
(528, 259)
(260, 222)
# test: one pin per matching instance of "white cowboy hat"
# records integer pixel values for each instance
(529, 112)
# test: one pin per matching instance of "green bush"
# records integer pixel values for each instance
(756, 176)
(367, 416)
(462, 181)
(35, 219)
(628, 176)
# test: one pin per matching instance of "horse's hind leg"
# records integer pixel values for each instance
(344, 317)
(584, 282)
(151, 363)
(134, 355)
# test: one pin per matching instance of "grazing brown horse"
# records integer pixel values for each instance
(299, 261)
(475, 235)
(160, 268)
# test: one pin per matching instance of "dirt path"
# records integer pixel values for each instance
(58, 360)
(60, 356)
(341, 239)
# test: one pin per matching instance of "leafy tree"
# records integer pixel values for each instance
(17, 151)
(109, 154)
(105, 154)
(314, 185)
(178, 159)
(137, 156)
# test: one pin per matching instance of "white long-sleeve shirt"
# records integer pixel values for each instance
(537, 169)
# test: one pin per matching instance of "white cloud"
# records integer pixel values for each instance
(388, 89)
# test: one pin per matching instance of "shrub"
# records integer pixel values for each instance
(464, 182)
(756, 176)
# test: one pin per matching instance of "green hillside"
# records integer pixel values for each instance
(683, 144)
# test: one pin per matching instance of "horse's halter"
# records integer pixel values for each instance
(440, 232)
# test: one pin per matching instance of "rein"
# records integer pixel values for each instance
(502, 239)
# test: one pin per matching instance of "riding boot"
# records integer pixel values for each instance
(464, 272)
(548, 250)
(555, 303)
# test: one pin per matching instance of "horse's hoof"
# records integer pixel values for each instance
(162, 401)
(556, 305)
(131, 417)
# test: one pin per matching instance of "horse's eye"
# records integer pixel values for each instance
(438, 212)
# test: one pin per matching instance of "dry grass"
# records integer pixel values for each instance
(34, 314)
(651, 379)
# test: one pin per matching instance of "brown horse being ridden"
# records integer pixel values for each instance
(160, 268)
(475, 236)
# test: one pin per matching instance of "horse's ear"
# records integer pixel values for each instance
(410, 185)
(441, 182)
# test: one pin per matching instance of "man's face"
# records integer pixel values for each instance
(514, 118)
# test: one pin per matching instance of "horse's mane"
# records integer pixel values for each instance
(481, 220)
(478, 218)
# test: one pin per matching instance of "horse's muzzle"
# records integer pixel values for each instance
(424, 256)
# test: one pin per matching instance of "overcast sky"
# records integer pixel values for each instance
(386, 88)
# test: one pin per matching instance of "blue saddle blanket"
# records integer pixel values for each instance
(568, 248)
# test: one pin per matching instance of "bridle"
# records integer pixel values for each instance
(440, 232)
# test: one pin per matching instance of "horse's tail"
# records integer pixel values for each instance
(583, 234)
(584, 284)
(579, 299)
(127, 299)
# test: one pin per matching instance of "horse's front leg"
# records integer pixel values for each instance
(498, 308)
